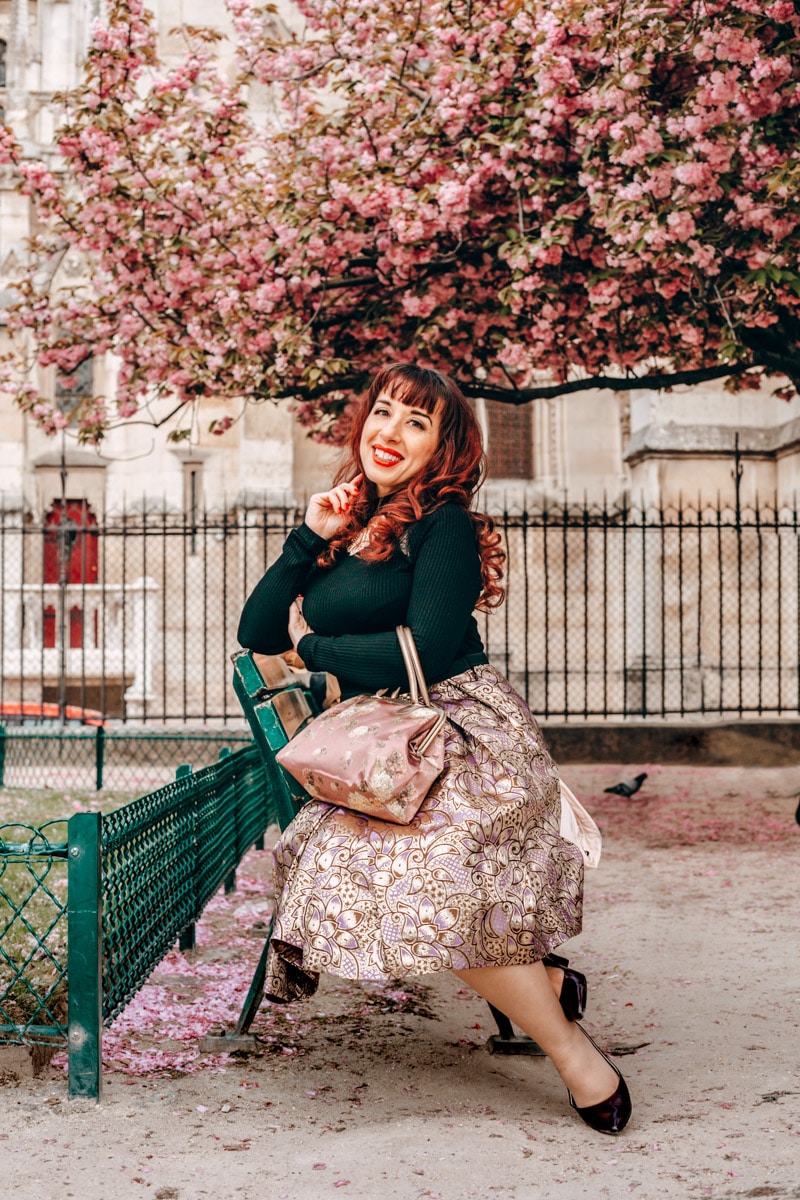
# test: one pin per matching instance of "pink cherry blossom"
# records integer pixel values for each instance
(545, 193)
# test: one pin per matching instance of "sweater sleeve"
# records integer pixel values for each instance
(264, 623)
(445, 586)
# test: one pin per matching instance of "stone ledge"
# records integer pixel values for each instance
(746, 743)
(686, 440)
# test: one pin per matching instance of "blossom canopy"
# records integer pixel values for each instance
(535, 197)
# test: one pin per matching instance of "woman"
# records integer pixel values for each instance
(480, 882)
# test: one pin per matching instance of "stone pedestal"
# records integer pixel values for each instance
(143, 594)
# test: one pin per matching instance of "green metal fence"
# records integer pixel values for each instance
(33, 940)
(84, 921)
(99, 757)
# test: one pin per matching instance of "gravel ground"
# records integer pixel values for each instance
(690, 947)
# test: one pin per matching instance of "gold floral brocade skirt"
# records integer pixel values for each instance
(480, 877)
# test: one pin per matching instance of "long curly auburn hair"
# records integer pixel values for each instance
(452, 475)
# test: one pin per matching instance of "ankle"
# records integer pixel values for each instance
(588, 1075)
(564, 1050)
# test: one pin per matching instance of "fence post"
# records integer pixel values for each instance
(99, 757)
(84, 955)
(187, 938)
(2, 752)
(230, 878)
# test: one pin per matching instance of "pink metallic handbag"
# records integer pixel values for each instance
(376, 754)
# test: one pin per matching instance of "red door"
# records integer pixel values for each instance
(70, 525)
(70, 544)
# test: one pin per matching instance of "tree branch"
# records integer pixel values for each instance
(349, 281)
(614, 383)
(510, 395)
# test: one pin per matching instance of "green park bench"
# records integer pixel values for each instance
(276, 705)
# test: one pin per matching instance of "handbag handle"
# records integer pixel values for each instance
(416, 678)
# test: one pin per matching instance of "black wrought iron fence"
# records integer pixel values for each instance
(663, 613)
(611, 612)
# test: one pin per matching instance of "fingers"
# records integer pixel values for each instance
(342, 496)
(339, 498)
(327, 511)
(298, 625)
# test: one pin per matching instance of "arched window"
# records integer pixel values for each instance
(71, 389)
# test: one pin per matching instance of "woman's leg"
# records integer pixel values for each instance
(526, 995)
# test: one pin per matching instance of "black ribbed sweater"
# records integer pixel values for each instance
(354, 606)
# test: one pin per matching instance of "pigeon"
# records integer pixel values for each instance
(628, 787)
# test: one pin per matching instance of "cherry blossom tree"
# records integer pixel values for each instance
(537, 196)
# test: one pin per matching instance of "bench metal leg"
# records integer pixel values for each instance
(256, 993)
(508, 1042)
(221, 1041)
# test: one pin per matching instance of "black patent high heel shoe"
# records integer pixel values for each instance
(572, 997)
(613, 1114)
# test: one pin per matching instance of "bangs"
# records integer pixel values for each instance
(415, 387)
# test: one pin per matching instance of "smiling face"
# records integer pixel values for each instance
(397, 441)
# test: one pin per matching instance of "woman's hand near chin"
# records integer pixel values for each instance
(327, 511)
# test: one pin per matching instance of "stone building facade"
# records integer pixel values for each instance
(83, 626)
